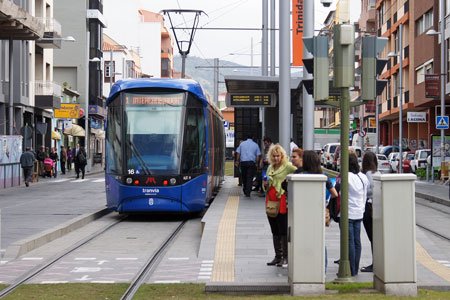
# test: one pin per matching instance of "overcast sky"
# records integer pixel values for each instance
(224, 13)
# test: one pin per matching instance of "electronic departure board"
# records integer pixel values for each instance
(251, 100)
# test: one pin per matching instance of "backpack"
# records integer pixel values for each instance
(82, 158)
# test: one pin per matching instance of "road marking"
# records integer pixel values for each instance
(167, 281)
(99, 180)
(126, 258)
(178, 258)
(87, 270)
(204, 277)
(102, 281)
(225, 245)
(78, 180)
(2, 262)
(205, 273)
(84, 278)
(101, 262)
(206, 265)
(52, 282)
(443, 261)
(207, 261)
(434, 266)
(60, 180)
(85, 258)
(32, 258)
(205, 269)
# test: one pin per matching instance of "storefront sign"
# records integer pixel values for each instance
(97, 110)
(416, 117)
(95, 123)
(68, 111)
(372, 123)
(432, 85)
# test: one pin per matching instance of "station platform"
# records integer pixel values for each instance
(237, 239)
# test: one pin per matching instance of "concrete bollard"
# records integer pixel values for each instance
(394, 234)
(306, 234)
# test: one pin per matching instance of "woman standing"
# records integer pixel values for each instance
(297, 160)
(69, 158)
(82, 162)
(357, 191)
(276, 174)
(369, 167)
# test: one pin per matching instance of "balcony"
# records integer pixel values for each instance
(47, 94)
(52, 31)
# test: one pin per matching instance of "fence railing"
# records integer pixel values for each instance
(47, 88)
(11, 175)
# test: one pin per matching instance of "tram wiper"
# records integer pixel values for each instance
(139, 158)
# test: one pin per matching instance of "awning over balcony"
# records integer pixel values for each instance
(18, 24)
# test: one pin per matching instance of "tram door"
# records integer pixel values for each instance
(246, 120)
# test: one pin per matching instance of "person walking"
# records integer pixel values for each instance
(27, 160)
(63, 159)
(276, 174)
(369, 167)
(69, 159)
(81, 161)
(54, 157)
(75, 153)
(247, 156)
(41, 155)
(357, 194)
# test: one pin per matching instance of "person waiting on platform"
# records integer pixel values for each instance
(247, 157)
(276, 174)
(297, 160)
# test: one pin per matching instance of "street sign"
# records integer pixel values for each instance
(441, 122)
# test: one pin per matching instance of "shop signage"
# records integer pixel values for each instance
(95, 123)
(97, 110)
(372, 123)
(416, 117)
(432, 85)
(68, 111)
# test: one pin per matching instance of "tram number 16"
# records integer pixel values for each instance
(150, 201)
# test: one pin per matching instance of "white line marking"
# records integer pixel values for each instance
(178, 258)
(78, 180)
(99, 180)
(204, 273)
(85, 258)
(443, 261)
(167, 281)
(207, 261)
(204, 277)
(205, 269)
(60, 180)
(206, 265)
(87, 270)
(53, 282)
(126, 258)
(84, 278)
(103, 281)
(32, 258)
(447, 265)
(2, 262)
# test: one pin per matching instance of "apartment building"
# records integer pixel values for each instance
(421, 55)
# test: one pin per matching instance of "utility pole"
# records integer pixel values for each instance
(285, 74)
(264, 59)
(308, 101)
(216, 80)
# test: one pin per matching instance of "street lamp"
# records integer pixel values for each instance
(400, 121)
(443, 73)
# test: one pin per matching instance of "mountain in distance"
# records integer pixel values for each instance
(195, 68)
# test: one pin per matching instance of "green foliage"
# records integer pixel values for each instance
(421, 173)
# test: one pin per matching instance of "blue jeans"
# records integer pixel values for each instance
(354, 245)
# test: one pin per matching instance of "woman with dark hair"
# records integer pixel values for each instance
(297, 160)
(369, 167)
(357, 191)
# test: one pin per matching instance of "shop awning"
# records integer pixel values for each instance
(56, 135)
(75, 130)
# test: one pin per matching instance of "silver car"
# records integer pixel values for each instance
(383, 164)
(393, 161)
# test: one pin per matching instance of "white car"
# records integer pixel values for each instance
(420, 159)
(383, 164)
(327, 156)
(393, 161)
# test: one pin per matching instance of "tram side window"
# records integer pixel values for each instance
(113, 141)
(194, 142)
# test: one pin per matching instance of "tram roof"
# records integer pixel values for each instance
(189, 85)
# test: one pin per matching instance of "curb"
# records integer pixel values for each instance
(433, 198)
(26, 245)
(257, 288)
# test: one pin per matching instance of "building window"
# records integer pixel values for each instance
(381, 12)
(396, 84)
(371, 4)
(426, 68)
(424, 22)
(397, 42)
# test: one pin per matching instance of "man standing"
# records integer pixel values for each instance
(75, 160)
(248, 154)
(27, 162)
(63, 158)
(40, 157)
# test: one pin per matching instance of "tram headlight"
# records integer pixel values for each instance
(173, 181)
(129, 180)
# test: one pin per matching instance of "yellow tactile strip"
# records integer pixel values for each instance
(430, 263)
(223, 270)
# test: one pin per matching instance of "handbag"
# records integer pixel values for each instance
(272, 203)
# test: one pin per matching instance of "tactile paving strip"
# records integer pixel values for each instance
(430, 263)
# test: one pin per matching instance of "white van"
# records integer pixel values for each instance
(327, 155)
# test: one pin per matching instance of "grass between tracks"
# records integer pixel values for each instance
(82, 291)
(229, 168)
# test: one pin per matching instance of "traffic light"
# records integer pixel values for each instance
(372, 66)
(318, 66)
(344, 55)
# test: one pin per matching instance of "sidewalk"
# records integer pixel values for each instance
(435, 192)
(95, 170)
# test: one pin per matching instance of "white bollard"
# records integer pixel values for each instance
(394, 234)
(306, 234)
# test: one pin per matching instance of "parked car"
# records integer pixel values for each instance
(407, 156)
(359, 154)
(420, 159)
(383, 164)
(393, 161)
(328, 151)
(388, 149)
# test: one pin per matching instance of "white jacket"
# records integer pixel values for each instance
(357, 195)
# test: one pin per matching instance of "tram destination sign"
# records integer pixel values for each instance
(251, 100)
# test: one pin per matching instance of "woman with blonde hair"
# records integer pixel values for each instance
(276, 207)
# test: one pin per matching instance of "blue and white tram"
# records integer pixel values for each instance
(165, 146)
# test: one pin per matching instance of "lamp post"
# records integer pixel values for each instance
(111, 63)
(400, 113)
(443, 72)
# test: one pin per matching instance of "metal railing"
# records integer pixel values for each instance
(51, 25)
(15, 174)
(47, 88)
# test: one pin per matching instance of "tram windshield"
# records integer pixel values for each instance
(153, 133)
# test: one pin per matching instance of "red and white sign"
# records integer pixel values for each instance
(362, 133)
(81, 112)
